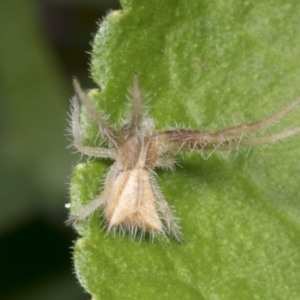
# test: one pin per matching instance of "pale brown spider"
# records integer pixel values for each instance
(131, 200)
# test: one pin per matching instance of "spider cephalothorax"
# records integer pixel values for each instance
(131, 200)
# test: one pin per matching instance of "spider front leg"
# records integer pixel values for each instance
(134, 125)
(258, 140)
(77, 139)
(228, 138)
(107, 132)
(258, 125)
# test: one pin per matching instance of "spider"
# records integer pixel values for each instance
(131, 199)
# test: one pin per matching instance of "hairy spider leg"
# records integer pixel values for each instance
(225, 139)
(133, 127)
(167, 213)
(107, 132)
(259, 140)
(77, 138)
(97, 203)
(87, 210)
(257, 125)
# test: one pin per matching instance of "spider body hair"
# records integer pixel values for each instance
(131, 200)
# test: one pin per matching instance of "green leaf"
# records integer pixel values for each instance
(204, 63)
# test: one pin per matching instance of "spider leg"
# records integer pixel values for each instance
(257, 125)
(134, 125)
(186, 140)
(87, 210)
(106, 131)
(78, 142)
(229, 138)
(169, 218)
(258, 140)
(201, 141)
(166, 213)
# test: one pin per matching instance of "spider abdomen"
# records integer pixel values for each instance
(131, 202)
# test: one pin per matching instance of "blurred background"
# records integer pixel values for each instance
(42, 45)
